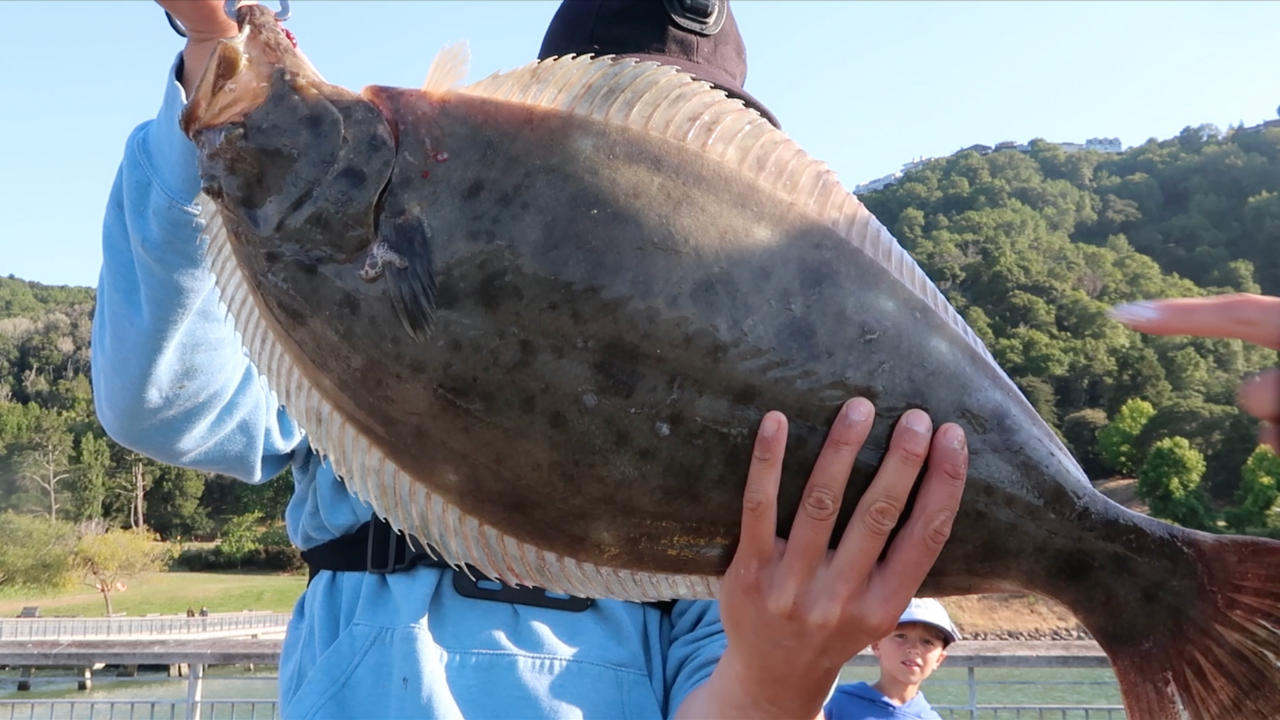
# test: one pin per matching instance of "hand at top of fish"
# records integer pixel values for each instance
(535, 319)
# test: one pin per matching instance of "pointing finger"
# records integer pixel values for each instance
(1252, 318)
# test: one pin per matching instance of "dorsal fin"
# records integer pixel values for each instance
(666, 101)
(449, 68)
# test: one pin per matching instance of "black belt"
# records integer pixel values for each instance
(375, 547)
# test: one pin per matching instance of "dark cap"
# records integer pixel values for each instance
(697, 36)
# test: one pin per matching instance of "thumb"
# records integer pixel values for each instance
(202, 19)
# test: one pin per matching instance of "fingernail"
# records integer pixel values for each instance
(769, 426)
(857, 411)
(1135, 312)
(917, 420)
(953, 436)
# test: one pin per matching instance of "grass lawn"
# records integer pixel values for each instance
(169, 593)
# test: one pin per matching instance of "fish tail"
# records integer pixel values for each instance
(1221, 658)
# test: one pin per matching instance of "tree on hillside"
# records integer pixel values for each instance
(1221, 433)
(1116, 440)
(1258, 499)
(1080, 429)
(46, 462)
(1169, 482)
(34, 552)
(91, 484)
(240, 537)
(129, 489)
(173, 502)
(110, 558)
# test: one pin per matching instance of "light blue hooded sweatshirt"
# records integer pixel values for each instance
(172, 382)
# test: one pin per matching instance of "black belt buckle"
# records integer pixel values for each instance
(390, 552)
(484, 588)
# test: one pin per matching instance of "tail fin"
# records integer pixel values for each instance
(1223, 663)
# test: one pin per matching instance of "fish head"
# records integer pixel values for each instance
(297, 163)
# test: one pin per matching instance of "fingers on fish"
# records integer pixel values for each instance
(882, 505)
(810, 535)
(760, 497)
(921, 538)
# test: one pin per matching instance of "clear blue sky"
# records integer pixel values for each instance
(865, 86)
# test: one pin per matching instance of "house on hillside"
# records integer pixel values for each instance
(1268, 125)
(883, 182)
(1106, 145)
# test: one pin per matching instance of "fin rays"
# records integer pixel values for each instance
(664, 101)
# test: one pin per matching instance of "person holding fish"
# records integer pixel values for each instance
(353, 240)
(172, 381)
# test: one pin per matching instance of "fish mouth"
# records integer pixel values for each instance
(238, 77)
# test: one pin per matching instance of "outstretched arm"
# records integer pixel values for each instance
(170, 378)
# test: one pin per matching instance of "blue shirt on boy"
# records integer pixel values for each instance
(860, 701)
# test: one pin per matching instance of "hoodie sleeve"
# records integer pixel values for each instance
(170, 378)
(696, 643)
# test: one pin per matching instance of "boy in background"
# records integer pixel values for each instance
(907, 656)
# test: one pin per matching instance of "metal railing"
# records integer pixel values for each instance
(137, 710)
(983, 681)
(973, 710)
(1038, 712)
(268, 710)
(92, 628)
(195, 707)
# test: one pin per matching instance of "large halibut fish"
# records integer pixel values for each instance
(536, 320)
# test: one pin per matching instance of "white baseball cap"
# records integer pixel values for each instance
(930, 612)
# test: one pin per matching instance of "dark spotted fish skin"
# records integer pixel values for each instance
(536, 322)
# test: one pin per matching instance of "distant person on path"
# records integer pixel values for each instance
(204, 612)
(907, 657)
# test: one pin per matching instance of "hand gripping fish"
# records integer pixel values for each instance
(535, 321)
